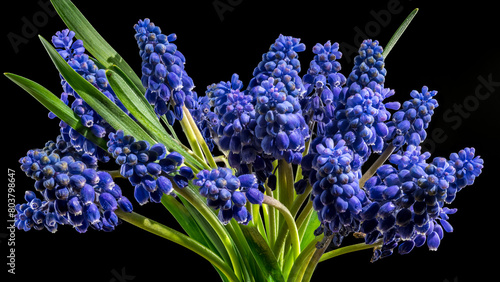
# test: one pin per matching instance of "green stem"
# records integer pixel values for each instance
(378, 163)
(212, 219)
(178, 238)
(272, 220)
(199, 137)
(313, 262)
(290, 222)
(299, 200)
(115, 173)
(285, 178)
(299, 266)
(349, 249)
(191, 137)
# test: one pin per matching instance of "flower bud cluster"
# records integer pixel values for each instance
(409, 123)
(368, 66)
(334, 171)
(281, 128)
(407, 201)
(323, 83)
(73, 193)
(281, 62)
(163, 75)
(228, 193)
(149, 168)
(73, 51)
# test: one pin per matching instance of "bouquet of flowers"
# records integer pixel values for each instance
(274, 173)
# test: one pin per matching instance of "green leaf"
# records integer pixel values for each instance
(178, 238)
(135, 101)
(262, 254)
(93, 41)
(56, 106)
(311, 226)
(96, 100)
(185, 220)
(398, 33)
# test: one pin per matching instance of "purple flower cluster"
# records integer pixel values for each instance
(73, 51)
(408, 197)
(73, 192)
(228, 193)
(163, 75)
(149, 168)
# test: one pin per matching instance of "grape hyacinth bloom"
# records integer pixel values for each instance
(323, 83)
(168, 86)
(362, 122)
(281, 62)
(228, 193)
(333, 172)
(149, 168)
(407, 201)
(409, 123)
(72, 193)
(368, 66)
(73, 51)
(236, 115)
(280, 124)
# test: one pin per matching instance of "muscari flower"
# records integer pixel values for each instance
(73, 193)
(368, 66)
(149, 168)
(228, 193)
(409, 123)
(163, 75)
(281, 62)
(323, 84)
(280, 124)
(362, 120)
(407, 202)
(333, 171)
(74, 53)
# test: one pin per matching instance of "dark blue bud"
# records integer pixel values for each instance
(247, 180)
(433, 241)
(254, 196)
(29, 195)
(125, 204)
(111, 217)
(164, 185)
(240, 214)
(406, 247)
(141, 195)
(107, 201)
(239, 198)
(91, 176)
(74, 206)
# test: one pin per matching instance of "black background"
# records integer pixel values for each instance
(446, 48)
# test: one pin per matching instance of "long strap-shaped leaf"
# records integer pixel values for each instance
(56, 106)
(108, 110)
(139, 107)
(93, 41)
(395, 37)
